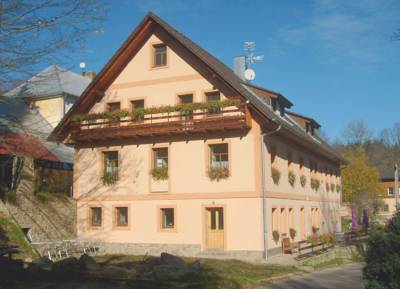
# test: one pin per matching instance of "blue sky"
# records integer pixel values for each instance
(335, 60)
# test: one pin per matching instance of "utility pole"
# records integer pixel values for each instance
(396, 186)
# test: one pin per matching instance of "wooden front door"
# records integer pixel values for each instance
(215, 228)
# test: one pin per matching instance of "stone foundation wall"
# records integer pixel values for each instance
(53, 220)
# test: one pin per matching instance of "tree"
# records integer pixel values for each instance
(34, 32)
(361, 182)
(383, 257)
(356, 133)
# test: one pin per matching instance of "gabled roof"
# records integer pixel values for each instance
(218, 69)
(23, 132)
(307, 118)
(52, 81)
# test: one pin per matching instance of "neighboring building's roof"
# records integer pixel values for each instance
(219, 70)
(317, 125)
(23, 132)
(52, 81)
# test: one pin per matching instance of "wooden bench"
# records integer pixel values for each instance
(9, 251)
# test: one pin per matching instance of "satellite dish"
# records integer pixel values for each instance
(82, 65)
(249, 74)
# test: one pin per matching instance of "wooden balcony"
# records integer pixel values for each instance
(164, 124)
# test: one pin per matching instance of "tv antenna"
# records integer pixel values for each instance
(249, 47)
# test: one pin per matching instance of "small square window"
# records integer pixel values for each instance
(167, 218)
(219, 157)
(390, 191)
(114, 107)
(185, 99)
(160, 157)
(160, 55)
(137, 104)
(96, 216)
(121, 214)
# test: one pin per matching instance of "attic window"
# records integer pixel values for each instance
(159, 55)
(309, 128)
(277, 106)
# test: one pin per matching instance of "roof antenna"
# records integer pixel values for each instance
(82, 65)
(249, 47)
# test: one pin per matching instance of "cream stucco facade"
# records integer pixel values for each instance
(188, 189)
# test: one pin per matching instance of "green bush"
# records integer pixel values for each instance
(276, 236)
(383, 257)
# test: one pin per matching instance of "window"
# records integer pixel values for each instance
(274, 219)
(114, 107)
(219, 156)
(301, 165)
(160, 157)
(137, 104)
(184, 99)
(111, 165)
(121, 214)
(96, 216)
(386, 208)
(160, 55)
(390, 191)
(213, 96)
(167, 218)
(290, 159)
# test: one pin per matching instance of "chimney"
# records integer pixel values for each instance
(239, 64)
(90, 74)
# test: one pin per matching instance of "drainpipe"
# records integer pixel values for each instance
(264, 202)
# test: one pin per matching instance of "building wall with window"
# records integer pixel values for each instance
(389, 207)
(157, 77)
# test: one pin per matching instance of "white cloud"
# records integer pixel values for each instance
(354, 31)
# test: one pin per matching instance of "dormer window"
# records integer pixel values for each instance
(309, 128)
(159, 55)
(277, 106)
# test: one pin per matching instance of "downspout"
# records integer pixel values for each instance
(264, 202)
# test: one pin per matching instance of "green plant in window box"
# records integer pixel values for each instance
(315, 184)
(292, 233)
(160, 173)
(276, 236)
(141, 112)
(109, 179)
(303, 180)
(218, 173)
(332, 187)
(327, 187)
(291, 178)
(276, 175)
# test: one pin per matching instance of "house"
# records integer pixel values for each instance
(31, 167)
(52, 91)
(389, 199)
(175, 152)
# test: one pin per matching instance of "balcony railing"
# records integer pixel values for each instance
(223, 119)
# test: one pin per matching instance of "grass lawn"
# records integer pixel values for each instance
(221, 274)
(335, 262)
(11, 235)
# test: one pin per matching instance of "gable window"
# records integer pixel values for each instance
(186, 99)
(167, 218)
(121, 216)
(160, 158)
(110, 173)
(137, 104)
(159, 55)
(219, 156)
(96, 216)
(390, 191)
(213, 96)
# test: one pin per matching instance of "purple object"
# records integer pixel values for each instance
(354, 220)
(365, 219)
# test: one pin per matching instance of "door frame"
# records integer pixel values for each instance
(204, 224)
